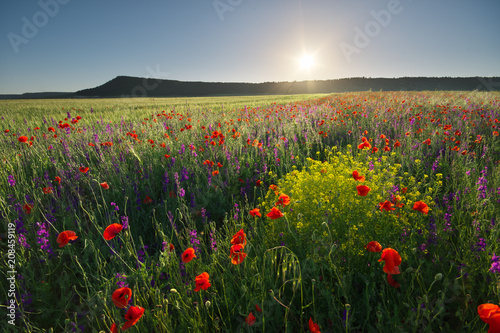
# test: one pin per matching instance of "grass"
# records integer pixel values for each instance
(187, 172)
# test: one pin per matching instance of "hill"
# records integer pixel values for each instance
(126, 86)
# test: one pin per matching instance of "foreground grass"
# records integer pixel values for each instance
(187, 172)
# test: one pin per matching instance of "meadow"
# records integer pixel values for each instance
(352, 212)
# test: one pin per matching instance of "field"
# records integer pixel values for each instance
(353, 212)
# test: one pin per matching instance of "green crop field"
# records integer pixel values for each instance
(352, 212)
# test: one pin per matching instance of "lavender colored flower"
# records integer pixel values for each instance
(22, 241)
(495, 264)
(121, 280)
(43, 238)
(11, 180)
(124, 222)
(116, 206)
(194, 240)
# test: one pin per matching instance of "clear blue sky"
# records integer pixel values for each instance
(82, 44)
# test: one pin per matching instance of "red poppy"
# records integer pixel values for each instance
(313, 327)
(47, 190)
(250, 319)
(22, 139)
(114, 328)
(64, 237)
(258, 182)
(147, 200)
(404, 189)
(392, 282)
(171, 247)
(357, 177)
(255, 212)
(215, 173)
(427, 142)
(105, 186)
(83, 169)
(167, 156)
(374, 150)
(363, 190)
(112, 230)
(275, 213)
(364, 144)
(52, 129)
(133, 315)
(202, 281)
(121, 297)
(237, 255)
(392, 261)
(490, 314)
(387, 148)
(27, 208)
(58, 180)
(421, 207)
(397, 144)
(188, 255)
(373, 246)
(283, 200)
(7, 131)
(257, 307)
(386, 205)
(239, 238)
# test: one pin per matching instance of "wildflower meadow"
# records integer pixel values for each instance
(351, 212)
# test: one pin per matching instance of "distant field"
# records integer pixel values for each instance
(356, 212)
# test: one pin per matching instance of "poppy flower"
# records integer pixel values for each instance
(404, 189)
(357, 177)
(313, 327)
(275, 213)
(427, 142)
(22, 139)
(397, 144)
(58, 180)
(167, 156)
(83, 169)
(386, 205)
(364, 144)
(283, 200)
(392, 282)
(239, 238)
(64, 237)
(236, 254)
(250, 319)
(392, 260)
(27, 208)
(255, 212)
(188, 255)
(258, 182)
(112, 230)
(47, 190)
(202, 281)
(51, 129)
(373, 246)
(363, 190)
(374, 150)
(114, 328)
(121, 297)
(490, 314)
(133, 315)
(105, 186)
(215, 173)
(147, 200)
(421, 207)
(257, 307)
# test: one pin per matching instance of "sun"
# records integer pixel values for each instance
(306, 62)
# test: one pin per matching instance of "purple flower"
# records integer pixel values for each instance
(495, 264)
(125, 222)
(11, 180)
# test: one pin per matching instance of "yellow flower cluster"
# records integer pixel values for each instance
(325, 207)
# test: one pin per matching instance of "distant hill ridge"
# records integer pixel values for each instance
(127, 86)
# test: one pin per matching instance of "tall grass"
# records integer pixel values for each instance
(188, 171)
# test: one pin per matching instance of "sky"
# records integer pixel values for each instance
(68, 45)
